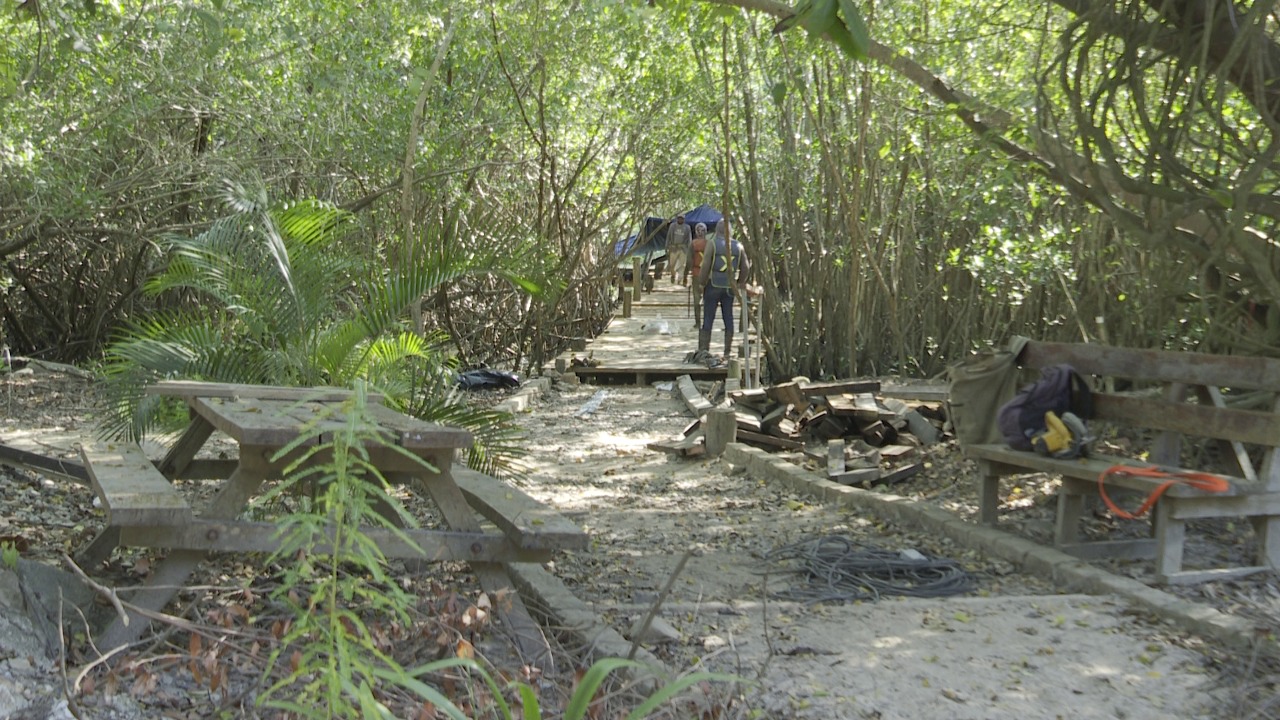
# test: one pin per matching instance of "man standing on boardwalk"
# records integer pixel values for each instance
(696, 248)
(677, 245)
(724, 267)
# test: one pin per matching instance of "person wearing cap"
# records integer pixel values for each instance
(677, 245)
(696, 249)
(724, 267)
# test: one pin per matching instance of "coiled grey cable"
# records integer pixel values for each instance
(836, 568)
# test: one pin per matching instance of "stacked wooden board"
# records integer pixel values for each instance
(860, 435)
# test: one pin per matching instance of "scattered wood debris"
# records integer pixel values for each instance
(858, 434)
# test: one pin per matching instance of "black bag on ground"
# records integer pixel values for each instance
(485, 378)
(1059, 390)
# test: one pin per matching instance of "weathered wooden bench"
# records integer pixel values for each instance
(528, 523)
(1190, 403)
(133, 492)
(144, 509)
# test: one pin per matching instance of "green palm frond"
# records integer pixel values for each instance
(277, 298)
(387, 298)
(312, 222)
(498, 441)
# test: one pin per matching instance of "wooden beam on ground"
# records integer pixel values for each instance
(690, 446)
(693, 399)
(839, 387)
(900, 474)
(27, 460)
(722, 429)
(747, 436)
(787, 393)
(860, 476)
(835, 456)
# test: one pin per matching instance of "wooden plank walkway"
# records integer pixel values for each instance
(634, 351)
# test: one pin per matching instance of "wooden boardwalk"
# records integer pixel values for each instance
(637, 351)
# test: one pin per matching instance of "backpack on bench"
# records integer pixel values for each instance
(1048, 415)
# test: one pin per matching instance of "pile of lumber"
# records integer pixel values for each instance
(859, 434)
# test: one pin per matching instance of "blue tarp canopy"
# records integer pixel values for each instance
(704, 214)
(651, 239)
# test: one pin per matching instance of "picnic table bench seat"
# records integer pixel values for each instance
(1185, 398)
(529, 523)
(146, 510)
(130, 487)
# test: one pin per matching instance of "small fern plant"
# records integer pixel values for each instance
(331, 567)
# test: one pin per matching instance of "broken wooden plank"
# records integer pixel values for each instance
(827, 427)
(839, 387)
(747, 419)
(755, 398)
(893, 452)
(865, 407)
(900, 474)
(693, 399)
(773, 417)
(878, 434)
(787, 393)
(920, 427)
(689, 446)
(784, 428)
(768, 440)
(860, 476)
(835, 456)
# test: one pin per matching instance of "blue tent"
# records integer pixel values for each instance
(651, 239)
(704, 214)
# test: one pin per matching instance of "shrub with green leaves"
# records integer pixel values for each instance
(273, 295)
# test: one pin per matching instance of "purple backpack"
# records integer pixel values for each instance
(1060, 389)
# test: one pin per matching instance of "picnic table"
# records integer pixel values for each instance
(146, 510)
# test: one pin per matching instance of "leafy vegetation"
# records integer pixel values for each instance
(1022, 191)
(273, 297)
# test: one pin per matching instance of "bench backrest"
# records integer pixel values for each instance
(1183, 374)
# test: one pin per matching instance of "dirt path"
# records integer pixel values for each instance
(1013, 648)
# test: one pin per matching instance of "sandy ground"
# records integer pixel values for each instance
(1013, 648)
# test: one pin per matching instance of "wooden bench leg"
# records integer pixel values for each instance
(171, 574)
(1066, 529)
(184, 451)
(458, 515)
(99, 549)
(1268, 531)
(1170, 534)
(988, 493)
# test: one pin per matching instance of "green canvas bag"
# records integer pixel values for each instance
(978, 386)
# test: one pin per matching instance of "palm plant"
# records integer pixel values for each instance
(271, 295)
